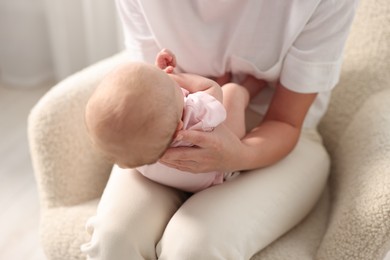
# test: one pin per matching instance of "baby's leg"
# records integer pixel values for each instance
(236, 98)
(235, 101)
(131, 217)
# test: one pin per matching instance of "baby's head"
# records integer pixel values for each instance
(134, 113)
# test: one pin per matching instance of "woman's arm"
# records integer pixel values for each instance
(278, 134)
(266, 144)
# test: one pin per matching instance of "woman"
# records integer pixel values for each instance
(294, 48)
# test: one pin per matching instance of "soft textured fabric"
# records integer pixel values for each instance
(298, 42)
(217, 223)
(201, 112)
(357, 133)
(351, 220)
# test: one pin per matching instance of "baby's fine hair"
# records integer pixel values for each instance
(131, 113)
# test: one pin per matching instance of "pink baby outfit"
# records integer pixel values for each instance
(201, 112)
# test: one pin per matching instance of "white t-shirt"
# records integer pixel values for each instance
(299, 42)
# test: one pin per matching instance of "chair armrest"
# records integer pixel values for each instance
(68, 171)
(359, 226)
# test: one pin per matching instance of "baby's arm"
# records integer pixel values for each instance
(194, 83)
(166, 61)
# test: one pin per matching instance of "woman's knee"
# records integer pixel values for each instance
(192, 243)
(111, 240)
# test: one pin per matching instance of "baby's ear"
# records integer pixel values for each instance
(179, 126)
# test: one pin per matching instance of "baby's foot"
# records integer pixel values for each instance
(224, 79)
(253, 85)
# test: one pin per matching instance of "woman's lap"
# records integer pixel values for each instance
(229, 221)
(131, 217)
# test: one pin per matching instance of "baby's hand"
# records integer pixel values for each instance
(166, 60)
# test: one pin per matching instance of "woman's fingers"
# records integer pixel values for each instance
(196, 138)
(184, 158)
(212, 151)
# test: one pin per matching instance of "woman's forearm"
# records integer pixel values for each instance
(266, 144)
(222, 150)
(278, 134)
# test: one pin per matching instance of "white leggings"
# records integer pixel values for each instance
(140, 219)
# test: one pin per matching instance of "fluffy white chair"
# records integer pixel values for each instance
(352, 219)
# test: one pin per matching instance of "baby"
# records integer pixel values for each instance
(135, 113)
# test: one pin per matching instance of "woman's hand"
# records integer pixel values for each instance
(218, 150)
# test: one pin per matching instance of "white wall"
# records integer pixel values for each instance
(24, 45)
(43, 39)
(81, 32)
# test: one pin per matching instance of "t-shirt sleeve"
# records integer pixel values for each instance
(139, 40)
(313, 62)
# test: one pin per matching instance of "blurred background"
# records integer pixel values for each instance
(50, 39)
(41, 43)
